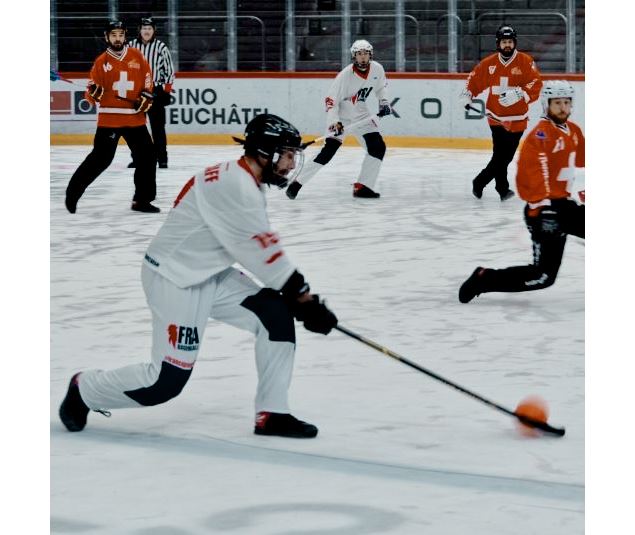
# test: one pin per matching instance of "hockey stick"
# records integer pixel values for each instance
(543, 426)
(55, 76)
(353, 126)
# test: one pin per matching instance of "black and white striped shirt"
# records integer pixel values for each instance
(158, 56)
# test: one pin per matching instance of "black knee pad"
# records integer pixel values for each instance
(273, 312)
(168, 385)
(331, 146)
(375, 145)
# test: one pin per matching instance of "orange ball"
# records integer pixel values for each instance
(533, 407)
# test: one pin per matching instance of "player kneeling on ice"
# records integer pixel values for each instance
(219, 218)
(345, 105)
(550, 179)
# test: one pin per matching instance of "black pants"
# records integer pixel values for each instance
(505, 145)
(548, 249)
(104, 148)
(156, 114)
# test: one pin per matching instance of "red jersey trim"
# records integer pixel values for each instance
(242, 163)
(361, 73)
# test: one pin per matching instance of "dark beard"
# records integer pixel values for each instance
(505, 53)
(116, 47)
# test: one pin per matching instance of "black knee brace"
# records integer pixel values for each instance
(331, 146)
(375, 145)
(273, 312)
(168, 385)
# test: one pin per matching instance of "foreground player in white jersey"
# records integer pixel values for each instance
(345, 105)
(218, 218)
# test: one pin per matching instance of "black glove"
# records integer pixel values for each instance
(549, 223)
(315, 315)
(338, 128)
(96, 91)
(161, 96)
(144, 102)
(384, 109)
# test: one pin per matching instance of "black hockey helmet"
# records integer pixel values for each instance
(147, 21)
(505, 32)
(114, 25)
(269, 136)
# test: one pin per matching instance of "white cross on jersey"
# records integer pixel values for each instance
(123, 85)
(501, 87)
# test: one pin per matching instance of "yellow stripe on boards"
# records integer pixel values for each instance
(226, 139)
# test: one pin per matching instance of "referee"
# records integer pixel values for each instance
(158, 56)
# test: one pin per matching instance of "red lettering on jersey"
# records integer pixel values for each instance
(185, 189)
(212, 173)
(266, 239)
(274, 257)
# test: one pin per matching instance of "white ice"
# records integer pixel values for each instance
(398, 452)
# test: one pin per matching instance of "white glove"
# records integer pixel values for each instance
(511, 96)
(465, 98)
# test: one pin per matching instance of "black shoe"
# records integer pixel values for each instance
(139, 206)
(163, 165)
(473, 286)
(476, 190)
(71, 205)
(132, 165)
(73, 411)
(507, 195)
(283, 425)
(292, 190)
(359, 190)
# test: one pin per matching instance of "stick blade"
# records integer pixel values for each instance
(543, 426)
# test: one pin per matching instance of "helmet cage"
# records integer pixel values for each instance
(269, 137)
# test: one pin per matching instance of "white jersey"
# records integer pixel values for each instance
(219, 218)
(346, 99)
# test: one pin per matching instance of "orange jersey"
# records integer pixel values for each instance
(126, 76)
(548, 159)
(497, 75)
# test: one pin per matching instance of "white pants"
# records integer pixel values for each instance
(370, 166)
(179, 318)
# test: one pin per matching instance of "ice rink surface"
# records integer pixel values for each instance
(397, 452)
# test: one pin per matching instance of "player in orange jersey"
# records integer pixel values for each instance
(121, 82)
(514, 82)
(551, 180)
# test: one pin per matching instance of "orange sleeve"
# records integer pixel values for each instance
(95, 77)
(532, 179)
(534, 85)
(477, 81)
(579, 153)
(147, 75)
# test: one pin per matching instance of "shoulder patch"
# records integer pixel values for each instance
(540, 134)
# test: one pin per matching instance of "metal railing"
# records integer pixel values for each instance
(285, 59)
(451, 67)
(172, 39)
(532, 13)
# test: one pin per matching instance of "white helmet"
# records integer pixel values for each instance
(555, 89)
(361, 44)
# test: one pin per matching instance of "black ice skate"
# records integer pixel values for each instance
(473, 286)
(293, 189)
(283, 425)
(359, 190)
(146, 207)
(163, 164)
(477, 191)
(507, 195)
(73, 411)
(71, 204)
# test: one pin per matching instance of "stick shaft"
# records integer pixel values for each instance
(351, 126)
(529, 421)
